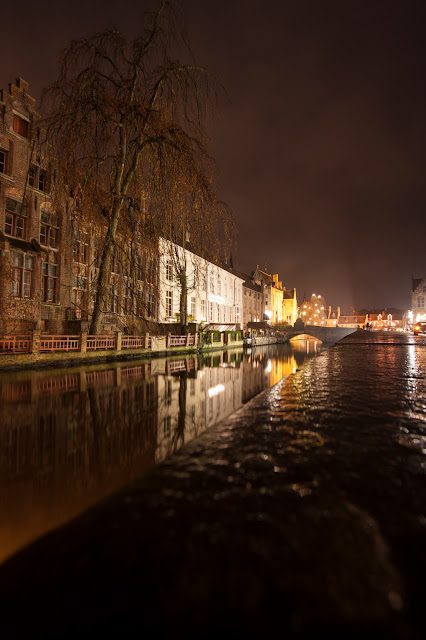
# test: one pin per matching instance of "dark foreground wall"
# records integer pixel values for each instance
(302, 514)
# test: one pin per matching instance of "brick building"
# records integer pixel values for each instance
(48, 249)
(32, 235)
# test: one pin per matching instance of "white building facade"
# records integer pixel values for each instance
(214, 293)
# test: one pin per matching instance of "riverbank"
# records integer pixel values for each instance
(303, 513)
(19, 361)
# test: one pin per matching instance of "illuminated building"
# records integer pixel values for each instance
(418, 298)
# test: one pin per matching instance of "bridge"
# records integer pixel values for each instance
(325, 334)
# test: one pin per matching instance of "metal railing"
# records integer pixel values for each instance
(180, 341)
(133, 342)
(15, 344)
(59, 343)
(53, 343)
(101, 342)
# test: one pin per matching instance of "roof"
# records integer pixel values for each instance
(217, 326)
(351, 319)
(254, 287)
(288, 294)
(415, 282)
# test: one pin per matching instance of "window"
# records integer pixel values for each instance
(113, 298)
(150, 305)
(167, 426)
(14, 219)
(115, 265)
(3, 161)
(81, 248)
(22, 265)
(32, 175)
(42, 180)
(168, 393)
(49, 229)
(421, 302)
(169, 303)
(20, 126)
(128, 301)
(169, 269)
(49, 276)
(203, 309)
(79, 283)
(193, 307)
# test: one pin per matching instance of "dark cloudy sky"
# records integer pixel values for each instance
(321, 147)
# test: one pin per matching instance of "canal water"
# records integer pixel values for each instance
(69, 437)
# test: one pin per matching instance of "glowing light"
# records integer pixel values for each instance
(217, 299)
(269, 366)
(214, 391)
(268, 314)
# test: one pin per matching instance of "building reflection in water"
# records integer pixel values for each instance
(70, 437)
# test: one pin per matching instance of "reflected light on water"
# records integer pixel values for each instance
(70, 437)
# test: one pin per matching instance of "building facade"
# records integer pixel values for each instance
(214, 292)
(33, 230)
(418, 299)
(50, 251)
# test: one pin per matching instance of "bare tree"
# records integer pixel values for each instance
(129, 125)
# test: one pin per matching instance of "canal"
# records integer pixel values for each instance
(296, 508)
(69, 437)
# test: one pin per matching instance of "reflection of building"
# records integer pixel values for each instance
(418, 299)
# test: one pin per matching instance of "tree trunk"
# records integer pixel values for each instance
(183, 304)
(102, 284)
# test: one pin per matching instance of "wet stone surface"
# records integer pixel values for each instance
(304, 512)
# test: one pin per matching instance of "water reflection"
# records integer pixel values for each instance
(70, 437)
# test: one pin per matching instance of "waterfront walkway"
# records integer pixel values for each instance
(302, 513)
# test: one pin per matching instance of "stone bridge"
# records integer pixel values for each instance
(325, 334)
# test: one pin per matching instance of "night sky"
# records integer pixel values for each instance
(321, 146)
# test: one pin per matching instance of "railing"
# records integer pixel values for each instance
(59, 343)
(101, 342)
(42, 343)
(177, 341)
(15, 344)
(180, 341)
(133, 342)
(59, 384)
